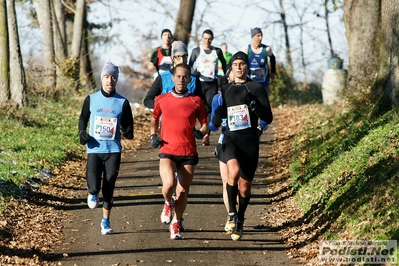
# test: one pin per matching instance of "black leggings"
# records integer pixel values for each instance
(106, 164)
(209, 89)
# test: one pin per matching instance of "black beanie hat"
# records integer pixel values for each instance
(240, 55)
(166, 30)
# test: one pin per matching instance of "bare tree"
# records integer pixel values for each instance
(290, 68)
(184, 20)
(58, 15)
(17, 73)
(43, 11)
(12, 75)
(76, 47)
(300, 13)
(86, 77)
(4, 54)
(373, 40)
(326, 15)
(78, 29)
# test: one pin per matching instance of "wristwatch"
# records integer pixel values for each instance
(252, 105)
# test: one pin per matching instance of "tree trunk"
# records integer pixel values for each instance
(326, 16)
(4, 55)
(17, 73)
(77, 38)
(373, 41)
(184, 21)
(389, 68)
(59, 31)
(86, 71)
(362, 23)
(78, 29)
(69, 32)
(287, 40)
(44, 17)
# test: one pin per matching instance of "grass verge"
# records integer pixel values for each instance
(34, 140)
(345, 172)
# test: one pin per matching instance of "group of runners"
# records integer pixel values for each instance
(205, 89)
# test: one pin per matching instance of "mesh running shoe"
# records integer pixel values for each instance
(92, 201)
(174, 229)
(205, 140)
(106, 227)
(236, 234)
(166, 215)
(230, 223)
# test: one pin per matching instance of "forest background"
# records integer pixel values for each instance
(302, 34)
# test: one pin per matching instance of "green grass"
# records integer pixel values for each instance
(345, 174)
(37, 137)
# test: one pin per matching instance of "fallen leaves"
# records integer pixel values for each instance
(31, 226)
(284, 213)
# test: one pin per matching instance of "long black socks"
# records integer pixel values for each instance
(232, 192)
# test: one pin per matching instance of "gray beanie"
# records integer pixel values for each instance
(110, 69)
(179, 48)
(255, 31)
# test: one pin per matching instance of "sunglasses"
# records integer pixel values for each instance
(178, 57)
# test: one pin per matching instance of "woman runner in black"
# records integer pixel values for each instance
(244, 102)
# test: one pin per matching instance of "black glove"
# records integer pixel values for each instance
(84, 137)
(198, 134)
(155, 140)
(128, 133)
(248, 100)
(208, 108)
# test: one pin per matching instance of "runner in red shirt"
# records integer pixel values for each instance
(180, 111)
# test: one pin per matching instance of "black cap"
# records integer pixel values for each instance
(240, 55)
(166, 30)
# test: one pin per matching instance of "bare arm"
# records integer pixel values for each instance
(204, 129)
(154, 125)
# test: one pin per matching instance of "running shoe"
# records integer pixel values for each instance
(205, 140)
(174, 229)
(166, 215)
(236, 234)
(106, 227)
(92, 201)
(230, 223)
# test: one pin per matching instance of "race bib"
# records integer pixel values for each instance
(258, 74)
(207, 69)
(104, 127)
(238, 117)
(165, 64)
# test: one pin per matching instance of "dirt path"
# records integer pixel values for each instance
(141, 239)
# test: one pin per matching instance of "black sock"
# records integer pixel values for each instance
(242, 206)
(232, 194)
